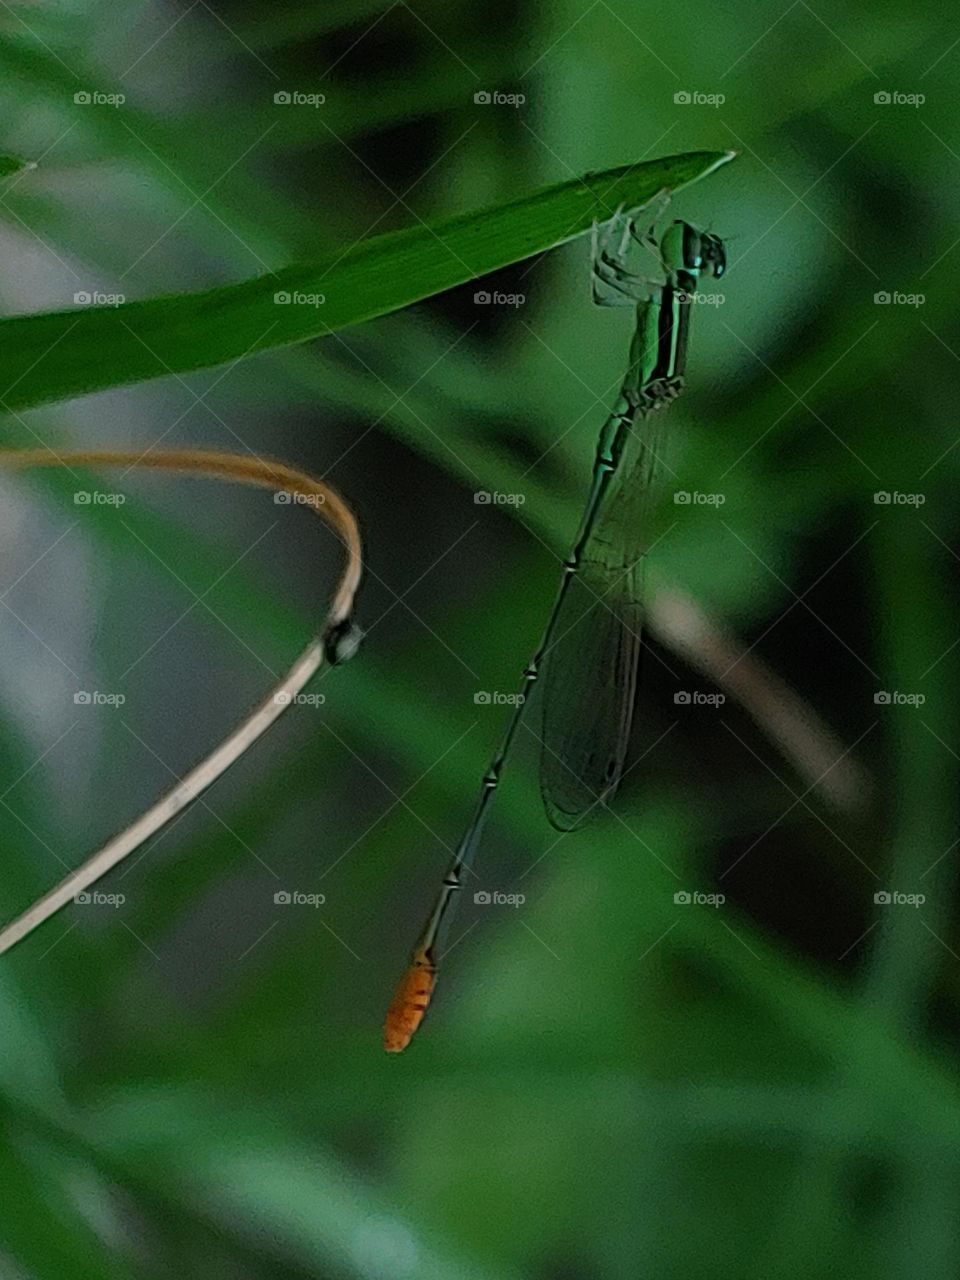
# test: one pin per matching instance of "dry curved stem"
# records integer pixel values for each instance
(336, 641)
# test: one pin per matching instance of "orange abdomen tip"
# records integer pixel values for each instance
(409, 1003)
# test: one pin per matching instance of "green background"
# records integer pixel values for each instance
(611, 1083)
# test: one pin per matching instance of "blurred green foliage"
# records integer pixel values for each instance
(610, 1084)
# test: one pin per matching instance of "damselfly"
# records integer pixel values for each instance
(590, 646)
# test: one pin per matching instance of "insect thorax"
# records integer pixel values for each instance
(653, 394)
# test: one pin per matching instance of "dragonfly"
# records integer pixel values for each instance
(589, 651)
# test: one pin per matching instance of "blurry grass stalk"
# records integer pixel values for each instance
(790, 723)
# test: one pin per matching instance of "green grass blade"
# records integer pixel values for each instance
(60, 354)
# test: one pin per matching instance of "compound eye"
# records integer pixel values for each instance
(716, 254)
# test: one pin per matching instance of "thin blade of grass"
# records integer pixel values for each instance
(60, 354)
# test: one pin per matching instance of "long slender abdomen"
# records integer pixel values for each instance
(409, 1003)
